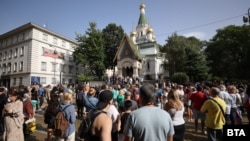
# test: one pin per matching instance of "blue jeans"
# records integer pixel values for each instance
(214, 134)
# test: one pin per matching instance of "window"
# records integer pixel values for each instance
(22, 51)
(4, 68)
(16, 38)
(63, 80)
(10, 54)
(21, 66)
(43, 80)
(45, 37)
(53, 80)
(43, 66)
(14, 81)
(62, 67)
(71, 58)
(70, 68)
(9, 67)
(54, 67)
(16, 52)
(0, 56)
(55, 40)
(5, 55)
(15, 67)
(23, 36)
(148, 66)
(20, 81)
(63, 43)
(70, 81)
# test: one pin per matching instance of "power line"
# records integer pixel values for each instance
(189, 28)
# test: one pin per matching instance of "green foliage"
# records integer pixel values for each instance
(228, 53)
(84, 78)
(184, 55)
(180, 78)
(112, 35)
(90, 52)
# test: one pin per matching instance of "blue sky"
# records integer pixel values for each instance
(199, 18)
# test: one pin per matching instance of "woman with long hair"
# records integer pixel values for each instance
(175, 108)
(50, 114)
(13, 117)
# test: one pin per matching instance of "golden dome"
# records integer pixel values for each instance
(153, 37)
(149, 30)
(132, 33)
(142, 6)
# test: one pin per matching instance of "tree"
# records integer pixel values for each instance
(228, 52)
(185, 55)
(112, 35)
(90, 52)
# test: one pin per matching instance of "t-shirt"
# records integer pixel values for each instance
(198, 99)
(149, 124)
(214, 116)
(40, 92)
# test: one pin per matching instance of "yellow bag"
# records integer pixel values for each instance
(31, 126)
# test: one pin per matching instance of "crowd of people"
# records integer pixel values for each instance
(128, 111)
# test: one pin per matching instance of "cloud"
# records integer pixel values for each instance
(198, 35)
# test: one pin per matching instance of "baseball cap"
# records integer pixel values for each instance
(104, 98)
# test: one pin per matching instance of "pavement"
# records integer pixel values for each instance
(40, 134)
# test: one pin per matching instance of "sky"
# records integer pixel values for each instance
(199, 18)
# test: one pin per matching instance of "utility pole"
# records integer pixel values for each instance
(247, 18)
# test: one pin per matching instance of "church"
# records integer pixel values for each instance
(138, 55)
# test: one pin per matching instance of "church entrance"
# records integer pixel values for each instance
(127, 71)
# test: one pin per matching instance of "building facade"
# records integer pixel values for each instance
(32, 54)
(138, 55)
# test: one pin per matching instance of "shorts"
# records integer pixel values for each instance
(199, 115)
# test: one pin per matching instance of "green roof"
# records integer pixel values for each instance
(142, 19)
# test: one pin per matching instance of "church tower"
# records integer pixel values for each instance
(138, 55)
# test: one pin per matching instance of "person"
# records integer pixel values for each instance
(214, 115)
(128, 95)
(115, 92)
(28, 112)
(228, 99)
(175, 108)
(164, 98)
(3, 100)
(41, 95)
(245, 100)
(102, 124)
(114, 115)
(79, 101)
(187, 102)
(90, 100)
(50, 114)
(235, 114)
(13, 117)
(120, 97)
(197, 100)
(123, 118)
(148, 122)
(70, 115)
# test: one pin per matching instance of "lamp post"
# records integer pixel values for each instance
(247, 19)
(55, 52)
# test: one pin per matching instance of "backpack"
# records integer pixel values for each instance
(86, 124)
(61, 123)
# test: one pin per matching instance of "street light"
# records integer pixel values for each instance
(247, 19)
(55, 52)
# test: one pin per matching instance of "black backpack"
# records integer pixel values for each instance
(86, 124)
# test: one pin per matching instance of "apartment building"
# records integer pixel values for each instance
(32, 54)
